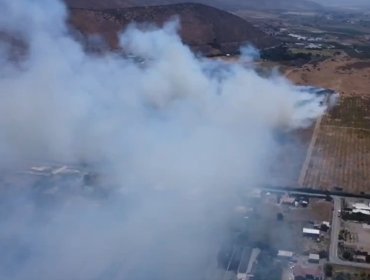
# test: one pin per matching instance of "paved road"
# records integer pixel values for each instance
(312, 192)
(292, 191)
(335, 228)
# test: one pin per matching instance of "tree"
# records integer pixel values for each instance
(323, 254)
(324, 227)
(280, 217)
(347, 255)
(328, 270)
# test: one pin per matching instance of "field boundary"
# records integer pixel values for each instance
(310, 149)
(345, 127)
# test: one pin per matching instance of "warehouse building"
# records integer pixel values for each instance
(311, 232)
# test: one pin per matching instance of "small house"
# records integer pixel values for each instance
(314, 258)
(285, 254)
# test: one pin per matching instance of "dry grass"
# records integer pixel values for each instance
(340, 73)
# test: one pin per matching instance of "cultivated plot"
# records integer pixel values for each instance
(341, 156)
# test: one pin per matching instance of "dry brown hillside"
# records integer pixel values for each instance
(221, 4)
(206, 29)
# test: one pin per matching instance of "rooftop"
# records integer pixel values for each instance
(244, 261)
(287, 254)
(314, 256)
(311, 231)
(362, 206)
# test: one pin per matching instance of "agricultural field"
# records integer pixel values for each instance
(348, 273)
(341, 154)
(352, 111)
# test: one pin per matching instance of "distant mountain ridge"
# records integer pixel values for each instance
(205, 29)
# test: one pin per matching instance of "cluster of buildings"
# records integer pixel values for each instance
(306, 267)
(48, 171)
(243, 264)
(356, 211)
(310, 271)
(247, 264)
(304, 38)
(294, 200)
(360, 207)
(288, 255)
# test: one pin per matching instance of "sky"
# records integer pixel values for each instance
(345, 3)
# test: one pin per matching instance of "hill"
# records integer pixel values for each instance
(206, 29)
(221, 4)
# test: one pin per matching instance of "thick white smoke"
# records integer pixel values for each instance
(178, 135)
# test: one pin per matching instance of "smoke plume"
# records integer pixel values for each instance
(176, 135)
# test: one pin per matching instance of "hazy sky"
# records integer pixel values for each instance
(347, 3)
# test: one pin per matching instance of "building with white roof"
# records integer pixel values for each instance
(311, 232)
(361, 206)
(365, 212)
(285, 254)
(314, 258)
